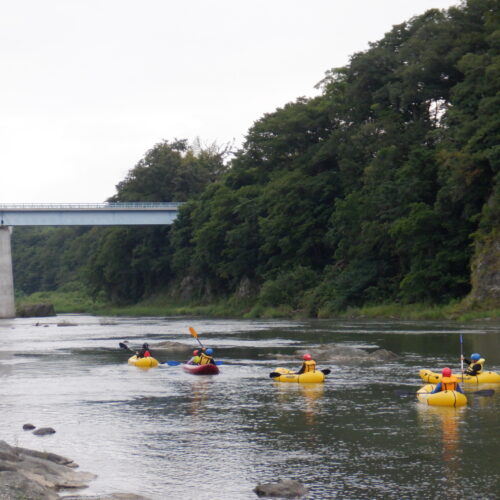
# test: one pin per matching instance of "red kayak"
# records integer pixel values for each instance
(201, 369)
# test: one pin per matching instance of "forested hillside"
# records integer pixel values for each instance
(378, 190)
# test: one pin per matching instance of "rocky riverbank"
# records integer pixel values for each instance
(35, 475)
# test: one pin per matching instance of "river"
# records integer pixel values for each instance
(167, 434)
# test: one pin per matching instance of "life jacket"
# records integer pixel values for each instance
(195, 360)
(449, 383)
(479, 362)
(309, 366)
(204, 359)
(147, 354)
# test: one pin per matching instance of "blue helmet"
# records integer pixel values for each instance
(209, 351)
(475, 356)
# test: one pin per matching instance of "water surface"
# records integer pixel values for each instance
(162, 433)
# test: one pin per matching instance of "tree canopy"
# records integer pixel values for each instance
(373, 191)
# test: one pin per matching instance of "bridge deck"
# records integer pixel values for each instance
(87, 214)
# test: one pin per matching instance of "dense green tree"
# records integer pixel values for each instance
(375, 190)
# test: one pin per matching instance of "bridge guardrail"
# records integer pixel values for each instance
(90, 206)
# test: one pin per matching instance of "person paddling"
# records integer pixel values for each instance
(448, 382)
(309, 365)
(206, 357)
(475, 364)
(144, 352)
(195, 360)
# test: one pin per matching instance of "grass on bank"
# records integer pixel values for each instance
(78, 302)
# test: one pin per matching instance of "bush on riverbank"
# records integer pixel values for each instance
(78, 302)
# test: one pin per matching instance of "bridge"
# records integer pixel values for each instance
(69, 214)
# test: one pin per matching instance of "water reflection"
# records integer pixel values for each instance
(350, 437)
(443, 424)
(306, 397)
(199, 394)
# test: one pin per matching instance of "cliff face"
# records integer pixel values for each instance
(485, 275)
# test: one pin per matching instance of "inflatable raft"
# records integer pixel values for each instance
(441, 398)
(148, 362)
(208, 369)
(482, 378)
(304, 378)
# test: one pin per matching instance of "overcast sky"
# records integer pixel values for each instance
(88, 86)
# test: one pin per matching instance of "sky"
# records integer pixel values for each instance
(89, 86)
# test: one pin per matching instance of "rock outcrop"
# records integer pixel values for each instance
(35, 475)
(35, 310)
(485, 274)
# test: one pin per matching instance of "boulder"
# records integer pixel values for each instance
(287, 488)
(36, 475)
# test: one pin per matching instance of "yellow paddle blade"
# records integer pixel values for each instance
(193, 332)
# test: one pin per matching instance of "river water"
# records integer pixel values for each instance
(166, 434)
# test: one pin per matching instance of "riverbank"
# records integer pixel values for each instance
(77, 302)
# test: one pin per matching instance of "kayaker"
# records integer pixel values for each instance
(309, 365)
(195, 359)
(144, 352)
(206, 357)
(448, 382)
(476, 364)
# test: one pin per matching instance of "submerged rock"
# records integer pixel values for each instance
(172, 346)
(338, 353)
(287, 488)
(44, 431)
(112, 496)
(28, 427)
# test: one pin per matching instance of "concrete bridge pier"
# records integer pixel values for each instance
(7, 304)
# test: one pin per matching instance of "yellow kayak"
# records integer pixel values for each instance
(143, 362)
(482, 378)
(441, 398)
(304, 378)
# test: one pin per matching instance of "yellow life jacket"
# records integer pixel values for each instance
(204, 359)
(195, 360)
(449, 383)
(310, 366)
(478, 362)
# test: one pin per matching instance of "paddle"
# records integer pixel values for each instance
(195, 335)
(484, 392)
(462, 353)
(177, 363)
(326, 371)
(125, 346)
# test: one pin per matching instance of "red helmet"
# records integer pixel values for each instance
(195, 352)
(307, 357)
(446, 372)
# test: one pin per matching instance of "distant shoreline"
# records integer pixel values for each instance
(76, 302)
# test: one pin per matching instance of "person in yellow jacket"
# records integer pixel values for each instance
(309, 365)
(195, 360)
(206, 357)
(448, 382)
(475, 364)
